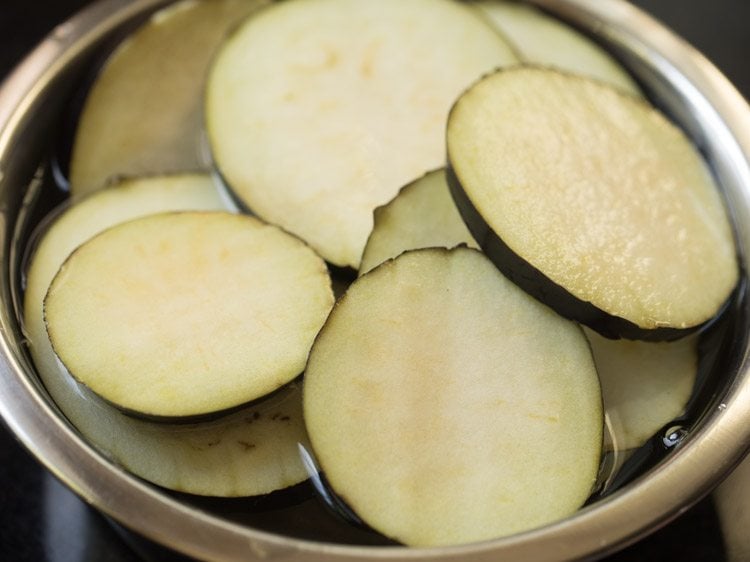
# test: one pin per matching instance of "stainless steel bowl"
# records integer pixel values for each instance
(679, 80)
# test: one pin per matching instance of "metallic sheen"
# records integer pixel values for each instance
(684, 84)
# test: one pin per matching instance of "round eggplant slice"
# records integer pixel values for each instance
(446, 406)
(645, 385)
(144, 112)
(186, 314)
(422, 215)
(591, 201)
(539, 38)
(251, 452)
(318, 111)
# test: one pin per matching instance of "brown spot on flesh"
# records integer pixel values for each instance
(542, 417)
(246, 446)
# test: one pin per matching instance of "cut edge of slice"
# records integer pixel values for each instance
(228, 457)
(187, 314)
(538, 282)
(401, 463)
(352, 164)
(645, 385)
(143, 116)
(540, 38)
(422, 215)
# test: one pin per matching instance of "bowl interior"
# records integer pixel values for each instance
(38, 107)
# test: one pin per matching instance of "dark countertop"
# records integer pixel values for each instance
(40, 520)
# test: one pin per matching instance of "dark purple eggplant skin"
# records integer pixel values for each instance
(278, 499)
(188, 419)
(339, 507)
(541, 287)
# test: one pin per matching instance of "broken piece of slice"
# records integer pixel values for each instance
(542, 39)
(645, 385)
(591, 201)
(447, 406)
(187, 314)
(144, 112)
(422, 215)
(318, 111)
(249, 453)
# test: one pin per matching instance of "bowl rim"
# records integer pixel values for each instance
(622, 518)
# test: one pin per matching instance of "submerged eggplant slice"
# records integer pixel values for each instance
(186, 314)
(591, 201)
(144, 114)
(318, 111)
(446, 406)
(251, 452)
(645, 385)
(422, 215)
(542, 39)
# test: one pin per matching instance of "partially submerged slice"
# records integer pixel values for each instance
(645, 385)
(592, 201)
(446, 406)
(251, 452)
(318, 111)
(542, 39)
(422, 215)
(144, 114)
(186, 314)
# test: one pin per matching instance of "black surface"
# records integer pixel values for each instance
(40, 520)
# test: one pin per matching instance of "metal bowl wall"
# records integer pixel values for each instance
(676, 77)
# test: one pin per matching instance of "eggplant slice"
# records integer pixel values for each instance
(422, 215)
(645, 385)
(591, 201)
(249, 453)
(318, 111)
(186, 314)
(540, 38)
(144, 113)
(447, 406)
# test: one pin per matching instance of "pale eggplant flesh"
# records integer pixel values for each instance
(189, 313)
(143, 112)
(251, 452)
(445, 405)
(422, 215)
(593, 202)
(540, 38)
(318, 111)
